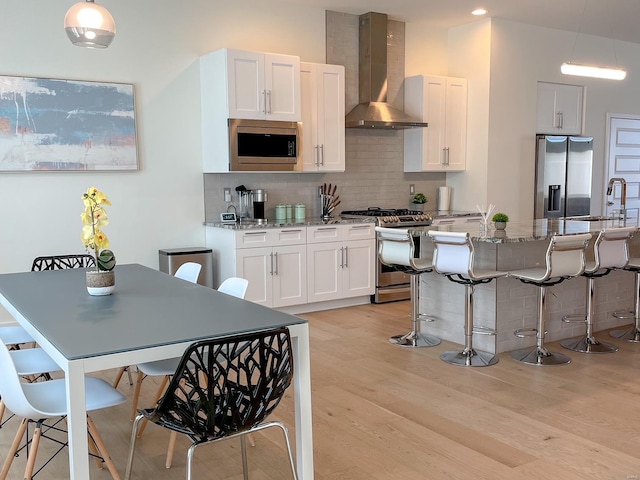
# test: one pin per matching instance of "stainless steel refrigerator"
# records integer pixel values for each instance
(563, 176)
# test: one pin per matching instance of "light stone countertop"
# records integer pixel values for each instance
(517, 232)
(308, 222)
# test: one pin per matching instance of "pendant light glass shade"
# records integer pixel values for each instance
(89, 25)
(593, 71)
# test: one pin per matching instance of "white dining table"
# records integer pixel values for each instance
(150, 316)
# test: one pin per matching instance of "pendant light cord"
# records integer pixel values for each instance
(575, 40)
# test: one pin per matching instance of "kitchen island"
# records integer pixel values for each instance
(507, 304)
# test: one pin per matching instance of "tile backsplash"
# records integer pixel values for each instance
(374, 159)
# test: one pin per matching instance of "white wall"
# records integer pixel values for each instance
(156, 47)
(501, 158)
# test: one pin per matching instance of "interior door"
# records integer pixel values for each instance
(624, 162)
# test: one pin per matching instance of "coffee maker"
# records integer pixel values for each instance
(259, 198)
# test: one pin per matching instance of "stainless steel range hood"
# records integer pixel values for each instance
(373, 111)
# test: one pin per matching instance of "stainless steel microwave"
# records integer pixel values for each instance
(264, 145)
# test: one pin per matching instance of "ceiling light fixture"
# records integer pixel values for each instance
(479, 11)
(593, 71)
(582, 70)
(89, 25)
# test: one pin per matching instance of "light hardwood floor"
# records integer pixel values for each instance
(385, 412)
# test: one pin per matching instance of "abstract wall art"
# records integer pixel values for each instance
(66, 125)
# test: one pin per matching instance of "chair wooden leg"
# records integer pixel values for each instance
(13, 450)
(159, 393)
(31, 459)
(93, 431)
(119, 377)
(136, 395)
(170, 448)
(252, 440)
(93, 450)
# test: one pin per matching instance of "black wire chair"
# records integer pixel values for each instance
(224, 388)
(61, 262)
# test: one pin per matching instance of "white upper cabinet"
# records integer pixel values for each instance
(253, 85)
(442, 103)
(323, 111)
(560, 108)
(236, 84)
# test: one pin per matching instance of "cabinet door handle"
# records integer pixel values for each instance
(255, 233)
(346, 257)
(264, 102)
(561, 119)
(275, 255)
(327, 228)
(317, 155)
(271, 266)
(322, 154)
(291, 231)
(341, 258)
(269, 97)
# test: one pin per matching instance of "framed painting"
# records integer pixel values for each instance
(66, 125)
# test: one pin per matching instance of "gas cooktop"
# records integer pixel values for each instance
(390, 217)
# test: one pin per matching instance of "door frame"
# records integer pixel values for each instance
(605, 176)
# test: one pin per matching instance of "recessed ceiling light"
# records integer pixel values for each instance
(479, 11)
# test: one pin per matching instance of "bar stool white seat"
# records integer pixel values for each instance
(564, 259)
(454, 258)
(611, 252)
(631, 334)
(396, 249)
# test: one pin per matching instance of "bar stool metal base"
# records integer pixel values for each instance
(630, 335)
(588, 344)
(469, 358)
(414, 339)
(540, 356)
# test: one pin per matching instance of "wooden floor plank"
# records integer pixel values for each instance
(382, 411)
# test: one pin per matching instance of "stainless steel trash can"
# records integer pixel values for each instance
(170, 259)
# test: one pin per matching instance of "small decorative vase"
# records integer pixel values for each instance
(101, 282)
(501, 225)
(418, 207)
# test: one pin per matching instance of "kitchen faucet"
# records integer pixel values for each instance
(623, 195)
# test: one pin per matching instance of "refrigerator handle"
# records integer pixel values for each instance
(554, 198)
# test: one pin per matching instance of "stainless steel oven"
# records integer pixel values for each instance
(392, 285)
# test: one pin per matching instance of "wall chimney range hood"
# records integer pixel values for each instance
(373, 111)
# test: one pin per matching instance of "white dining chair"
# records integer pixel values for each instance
(31, 364)
(188, 271)
(234, 286)
(38, 401)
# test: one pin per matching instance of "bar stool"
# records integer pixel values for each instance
(396, 249)
(564, 259)
(454, 258)
(631, 334)
(611, 252)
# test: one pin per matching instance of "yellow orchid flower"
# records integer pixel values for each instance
(94, 219)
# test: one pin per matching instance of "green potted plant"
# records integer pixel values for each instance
(500, 220)
(101, 281)
(419, 199)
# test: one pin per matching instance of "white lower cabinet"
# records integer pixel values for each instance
(277, 275)
(274, 260)
(299, 265)
(341, 261)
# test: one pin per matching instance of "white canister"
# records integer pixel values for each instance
(281, 213)
(289, 208)
(301, 212)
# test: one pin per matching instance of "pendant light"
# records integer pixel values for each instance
(89, 25)
(594, 71)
